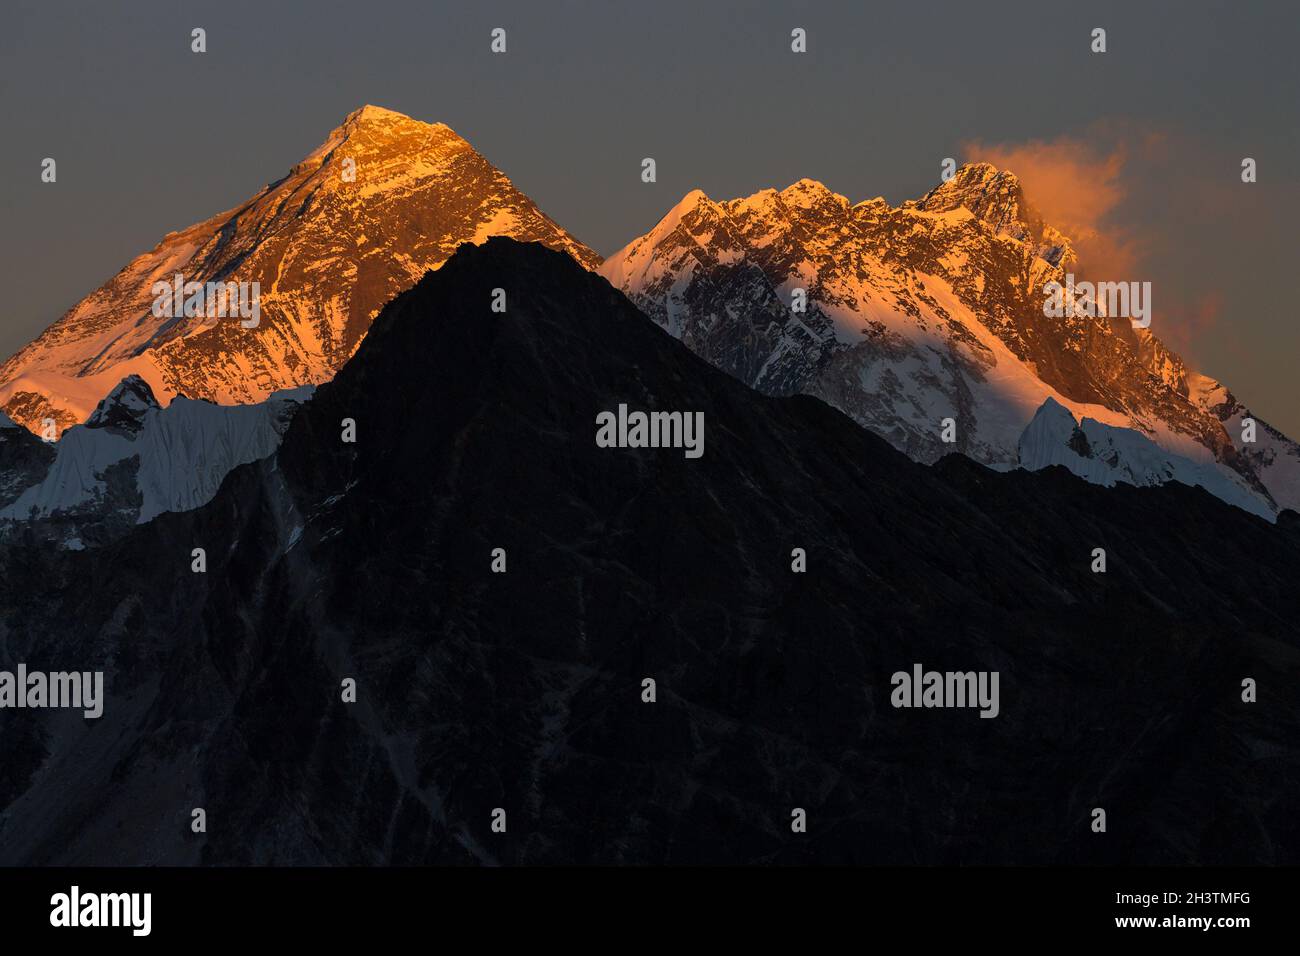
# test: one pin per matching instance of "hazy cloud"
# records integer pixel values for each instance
(1080, 184)
(1132, 205)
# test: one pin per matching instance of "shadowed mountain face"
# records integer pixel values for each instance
(24, 460)
(523, 690)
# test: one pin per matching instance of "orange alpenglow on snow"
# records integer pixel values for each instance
(384, 199)
(935, 311)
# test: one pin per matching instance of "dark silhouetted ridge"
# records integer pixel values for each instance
(475, 430)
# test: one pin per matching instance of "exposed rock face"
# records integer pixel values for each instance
(915, 314)
(522, 690)
(996, 198)
(123, 410)
(326, 252)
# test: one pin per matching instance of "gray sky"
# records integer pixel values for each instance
(150, 137)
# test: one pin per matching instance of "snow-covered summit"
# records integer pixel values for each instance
(996, 197)
(382, 200)
(904, 317)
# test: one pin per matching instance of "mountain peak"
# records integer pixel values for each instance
(691, 213)
(982, 172)
(382, 200)
(915, 313)
(373, 114)
(997, 197)
(381, 137)
(124, 408)
(810, 193)
(378, 120)
(982, 188)
(691, 202)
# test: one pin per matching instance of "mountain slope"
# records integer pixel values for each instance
(326, 252)
(522, 690)
(132, 460)
(1105, 455)
(1272, 456)
(915, 314)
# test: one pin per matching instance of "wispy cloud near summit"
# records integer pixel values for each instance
(1079, 184)
(1136, 207)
